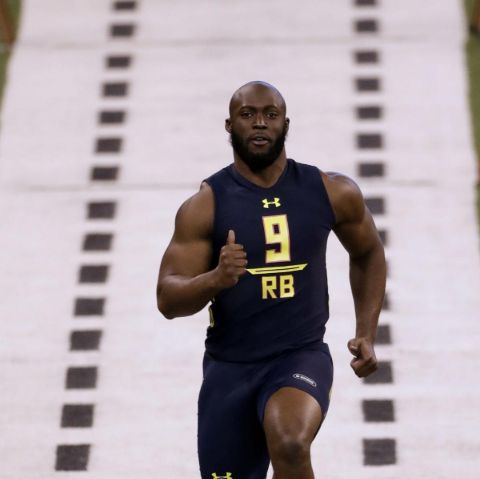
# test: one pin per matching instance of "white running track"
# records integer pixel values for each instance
(188, 57)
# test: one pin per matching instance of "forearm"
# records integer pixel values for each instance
(183, 296)
(367, 280)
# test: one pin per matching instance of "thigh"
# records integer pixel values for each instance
(308, 370)
(291, 416)
(231, 440)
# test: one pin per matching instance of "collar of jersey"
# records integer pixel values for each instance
(244, 181)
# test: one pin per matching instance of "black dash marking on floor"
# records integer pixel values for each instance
(81, 377)
(371, 112)
(118, 61)
(386, 302)
(383, 375)
(85, 340)
(93, 273)
(366, 56)
(125, 5)
(369, 141)
(72, 457)
(365, 3)
(115, 89)
(122, 30)
(379, 452)
(366, 26)
(376, 205)
(384, 336)
(104, 173)
(383, 236)
(378, 410)
(109, 117)
(108, 145)
(101, 210)
(371, 169)
(97, 242)
(89, 307)
(77, 415)
(367, 84)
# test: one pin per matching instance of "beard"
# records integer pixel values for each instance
(258, 161)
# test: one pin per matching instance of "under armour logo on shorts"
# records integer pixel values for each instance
(228, 475)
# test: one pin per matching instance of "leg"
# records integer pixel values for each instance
(231, 441)
(291, 421)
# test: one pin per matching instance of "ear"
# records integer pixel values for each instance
(287, 124)
(228, 125)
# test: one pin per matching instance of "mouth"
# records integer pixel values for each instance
(259, 140)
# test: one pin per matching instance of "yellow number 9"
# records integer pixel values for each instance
(276, 233)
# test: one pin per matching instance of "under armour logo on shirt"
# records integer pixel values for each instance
(275, 202)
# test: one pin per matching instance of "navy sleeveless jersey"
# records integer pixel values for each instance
(281, 303)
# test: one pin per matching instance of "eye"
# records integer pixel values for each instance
(272, 115)
(246, 114)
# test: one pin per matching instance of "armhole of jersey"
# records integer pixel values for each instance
(210, 183)
(327, 200)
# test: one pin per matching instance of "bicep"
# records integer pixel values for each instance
(190, 249)
(358, 235)
(186, 258)
(355, 227)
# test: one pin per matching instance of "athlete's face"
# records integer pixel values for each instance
(257, 126)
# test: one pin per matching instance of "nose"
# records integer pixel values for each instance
(259, 121)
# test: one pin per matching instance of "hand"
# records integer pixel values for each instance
(365, 362)
(231, 263)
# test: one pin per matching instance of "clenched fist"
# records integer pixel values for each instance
(365, 362)
(231, 263)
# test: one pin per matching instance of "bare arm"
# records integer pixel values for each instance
(185, 284)
(357, 232)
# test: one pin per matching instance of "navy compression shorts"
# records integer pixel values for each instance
(231, 405)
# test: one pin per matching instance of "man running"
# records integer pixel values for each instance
(252, 243)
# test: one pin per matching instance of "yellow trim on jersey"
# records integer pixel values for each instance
(277, 269)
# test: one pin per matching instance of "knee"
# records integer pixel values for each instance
(291, 450)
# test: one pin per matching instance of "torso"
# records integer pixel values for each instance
(282, 301)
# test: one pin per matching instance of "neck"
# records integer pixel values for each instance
(266, 177)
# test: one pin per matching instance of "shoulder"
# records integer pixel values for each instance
(200, 199)
(218, 177)
(196, 213)
(345, 197)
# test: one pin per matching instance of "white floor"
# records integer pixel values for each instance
(188, 59)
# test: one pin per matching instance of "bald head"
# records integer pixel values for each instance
(251, 89)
